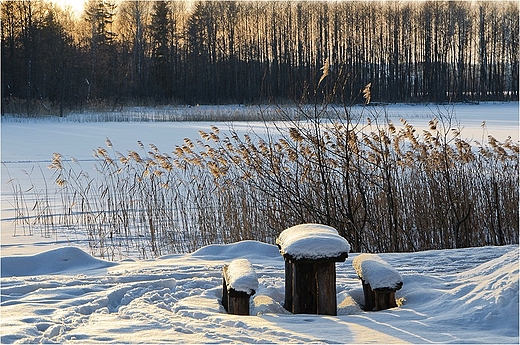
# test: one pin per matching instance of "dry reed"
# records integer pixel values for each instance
(384, 187)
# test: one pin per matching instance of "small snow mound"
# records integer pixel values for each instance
(312, 241)
(70, 260)
(240, 276)
(264, 304)
(376, 272)
(242, 249)
(348, 306)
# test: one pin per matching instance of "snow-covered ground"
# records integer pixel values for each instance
(54, 291)
(65, 295)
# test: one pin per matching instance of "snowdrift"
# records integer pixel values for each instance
(65, 295)
(67, 260)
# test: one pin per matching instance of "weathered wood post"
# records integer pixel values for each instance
(380, 281)
(239, 283)
(310, 252)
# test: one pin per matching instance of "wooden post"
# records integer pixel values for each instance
(289, 282)
(326, 279)
(310, 252)
(234, 302)
(225, 297)
(371, 269)
(310, 287)
(369, 296)
(238, 302)
(305, 289)
(378, 299)
(384, 299)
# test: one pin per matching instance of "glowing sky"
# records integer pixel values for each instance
(76, 5)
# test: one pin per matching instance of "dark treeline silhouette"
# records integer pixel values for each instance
(217, 52)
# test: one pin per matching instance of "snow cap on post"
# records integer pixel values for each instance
(377, 272)
(312, 242)
(241, 276)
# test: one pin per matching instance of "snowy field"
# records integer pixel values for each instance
(65, 295)
(54, 291)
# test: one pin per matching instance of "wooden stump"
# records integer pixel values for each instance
(310, 287)
(310, 252)
(225, 297)
(380, 281)
(378, 299)
(370, 302)
(384, 298)
(234, 302)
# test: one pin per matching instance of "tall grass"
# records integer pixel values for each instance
(385, 187)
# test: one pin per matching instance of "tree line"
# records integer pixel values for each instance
(216, 52)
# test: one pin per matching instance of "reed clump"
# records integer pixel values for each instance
(386, 187)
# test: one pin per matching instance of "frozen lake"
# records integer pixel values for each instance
(36, 140)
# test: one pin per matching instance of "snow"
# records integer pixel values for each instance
(377, 272)
(66, 260)
(53, 291)
(451, 296)
(241, 276)
(312, 241)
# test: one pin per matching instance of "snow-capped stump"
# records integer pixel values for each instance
(310, 252)
(239, 283)
(380, 281)
(312, 242)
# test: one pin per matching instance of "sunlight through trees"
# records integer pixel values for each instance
(248, 51)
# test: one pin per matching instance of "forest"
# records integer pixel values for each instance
(119, 53)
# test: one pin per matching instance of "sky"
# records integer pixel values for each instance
(76, 5)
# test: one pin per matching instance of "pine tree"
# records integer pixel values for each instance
(160, 50)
